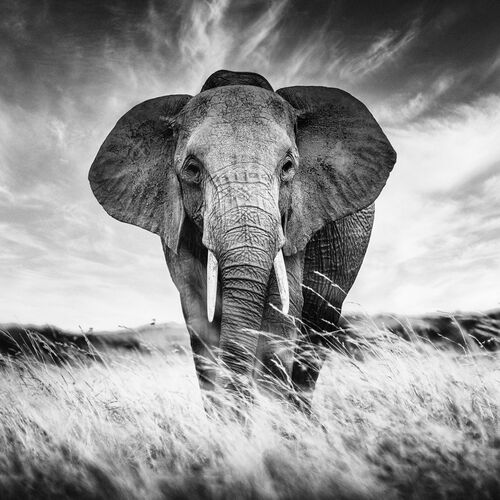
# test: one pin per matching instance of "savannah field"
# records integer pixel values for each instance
(119, 415)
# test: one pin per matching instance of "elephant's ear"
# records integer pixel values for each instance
(345, 160)
(133, 175)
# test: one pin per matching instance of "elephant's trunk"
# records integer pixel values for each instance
(244, 288)
(245, 250)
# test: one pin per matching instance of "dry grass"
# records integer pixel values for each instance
(398, 420)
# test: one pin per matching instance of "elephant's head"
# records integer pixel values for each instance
(258, 172)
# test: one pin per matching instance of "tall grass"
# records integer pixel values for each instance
(396, 420)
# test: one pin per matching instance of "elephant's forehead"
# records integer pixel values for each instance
(242, 140)
(235, 124)
(261, 130)
(233, 104)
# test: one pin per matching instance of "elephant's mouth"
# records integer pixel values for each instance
(212, 276)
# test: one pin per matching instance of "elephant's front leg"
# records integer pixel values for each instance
(275, 353)
(310, 355)
(188, 272)
(204, 339)
(332, 261)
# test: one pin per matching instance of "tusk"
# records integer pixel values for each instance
(281, 278)
(212, 273)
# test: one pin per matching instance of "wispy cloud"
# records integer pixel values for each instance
(386, 48)
(408, 107)
(203, 40)
(65, 84)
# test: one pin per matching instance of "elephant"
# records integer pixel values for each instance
(264, 203)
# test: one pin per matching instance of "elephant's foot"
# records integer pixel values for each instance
(305, 373)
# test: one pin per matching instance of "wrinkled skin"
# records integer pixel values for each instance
(244, 173)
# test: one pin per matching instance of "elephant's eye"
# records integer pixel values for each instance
(287, 171)
(191, 172)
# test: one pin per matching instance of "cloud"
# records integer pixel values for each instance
(255, 37)
(203, 41)
(68, 74)
(407, 107)
(260, 36)
(443, 151)
(386, 48)
(437, 231)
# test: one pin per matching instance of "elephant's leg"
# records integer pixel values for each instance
(275, 352)
(311, 352)
(204, 339)
(332, 261)
(188, 271)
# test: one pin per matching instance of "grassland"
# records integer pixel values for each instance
(392, 419)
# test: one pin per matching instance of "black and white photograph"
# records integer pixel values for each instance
(249, 249)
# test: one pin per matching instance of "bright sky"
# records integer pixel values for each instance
(69, 69)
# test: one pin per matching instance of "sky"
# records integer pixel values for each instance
(428, 71)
